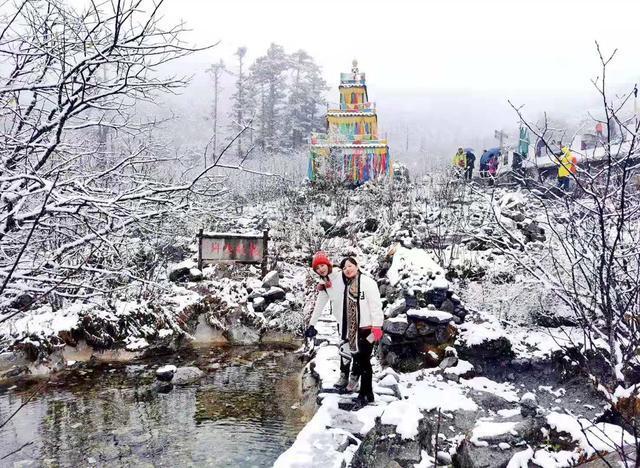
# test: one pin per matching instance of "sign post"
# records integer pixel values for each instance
(227, 247)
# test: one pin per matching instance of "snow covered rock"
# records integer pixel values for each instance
(274, 294)
(241, 334)
(431, 316)
(166, 372)
(186, 375)
(396, 326)
(271, 279)
(259, 304)
(395, 309)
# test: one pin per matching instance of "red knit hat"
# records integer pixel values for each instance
(320, 258)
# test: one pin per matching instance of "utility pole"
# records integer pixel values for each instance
(500, 135)
(216, 70)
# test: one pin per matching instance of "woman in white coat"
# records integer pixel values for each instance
(361, 323)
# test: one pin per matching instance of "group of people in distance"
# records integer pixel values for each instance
(464, 162)
(356, 305)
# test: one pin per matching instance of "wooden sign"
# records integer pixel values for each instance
(227, 247)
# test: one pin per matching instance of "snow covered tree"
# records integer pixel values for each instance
(70, 204)
(242, 105)
(306, 96)
(268, 77)
(593, 261)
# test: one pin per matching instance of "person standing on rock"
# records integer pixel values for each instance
(361, 323)
(330, 289)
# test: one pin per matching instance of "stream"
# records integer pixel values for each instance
(245, 412)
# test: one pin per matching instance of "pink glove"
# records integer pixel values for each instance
(377, 333)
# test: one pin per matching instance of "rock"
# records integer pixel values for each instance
(448, 306)
(449, 361)
(195, 274)
(395, 309)
(411, 332)
(275, 294)
(165, 373)
(470, 456)
(186, 375)
(528, 405)
(396, 325)
(490, 349)
(161, 387)
(257, 292)
(22, 302)
(370, 224)
(242, 335)
(179, 274)
(274, 309)
(443, 458)
(490, 401)
(259, 304)
(425, 328)
(271, 279)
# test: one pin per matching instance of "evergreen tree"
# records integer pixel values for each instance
(268, 77)
(242, 105)
(306, 95)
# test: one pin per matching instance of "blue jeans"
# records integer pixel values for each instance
(563, 183)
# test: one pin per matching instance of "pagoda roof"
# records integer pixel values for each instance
(352, 85)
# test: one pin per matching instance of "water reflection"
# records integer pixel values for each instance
(239, 415)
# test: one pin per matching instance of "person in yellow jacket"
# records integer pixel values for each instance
(460, 162)
(567, 165)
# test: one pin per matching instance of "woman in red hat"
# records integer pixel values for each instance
(331, 289)
(358, 311)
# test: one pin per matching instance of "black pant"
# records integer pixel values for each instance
(468, 173)
(361, 364)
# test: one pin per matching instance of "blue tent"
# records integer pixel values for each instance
(487, 155)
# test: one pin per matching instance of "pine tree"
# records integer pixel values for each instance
(306, 94)
(242, 106)
(268, 77)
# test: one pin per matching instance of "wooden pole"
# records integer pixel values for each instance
(200, 235)
(265, 251)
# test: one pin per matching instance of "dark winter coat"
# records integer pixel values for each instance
(471, 159)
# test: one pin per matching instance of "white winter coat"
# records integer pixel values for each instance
(370, 304)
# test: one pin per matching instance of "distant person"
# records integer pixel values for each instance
(493, 168)
(484, 164)
(599, 130)
(471, 161)
(539, 147)
(567, 167)
(459, 162)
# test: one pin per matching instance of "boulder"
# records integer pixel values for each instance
(271, 279)
(395, 309)
(257, 292)
(195, 274)
(186, 375)
(242, 335)
(259, 304)
(165, 373)
(274, 294)
(396, 325)
(470, 456)
(179, 274)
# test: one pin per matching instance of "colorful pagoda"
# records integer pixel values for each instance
(350, 151)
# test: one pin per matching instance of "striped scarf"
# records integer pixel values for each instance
(352, 313)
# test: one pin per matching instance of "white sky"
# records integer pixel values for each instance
(408, 46)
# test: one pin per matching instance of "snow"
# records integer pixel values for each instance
(504, 390)
(136, 344)
(601, 437)
(485, 429)
(461, 368)
(477, 333)
(405, 415)
(426, 314)
(416, 262)
(166, 369)
(521, 459)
